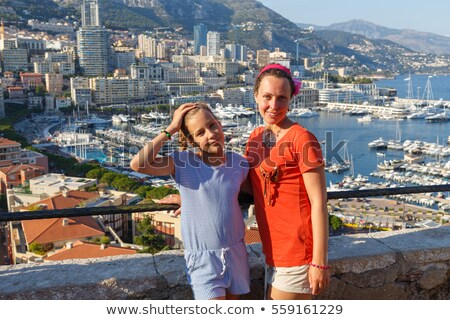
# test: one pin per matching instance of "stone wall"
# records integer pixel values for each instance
(410, 264)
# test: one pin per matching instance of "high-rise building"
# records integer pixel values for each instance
(93, 42)
(200, 31)
(262, 57)
(236, 52)
(89, 13)
(213, 43)
(93, 50)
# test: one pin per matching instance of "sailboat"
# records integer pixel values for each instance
(396, 144)
(410, 92)
(345, 165)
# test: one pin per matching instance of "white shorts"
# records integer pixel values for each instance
(289, 279)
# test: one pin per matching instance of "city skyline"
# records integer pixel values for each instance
(392, 14)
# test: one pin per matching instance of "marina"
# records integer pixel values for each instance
(380, 149)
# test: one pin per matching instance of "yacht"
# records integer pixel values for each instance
(378, 144)
(390, 164)
(302, 113)
(366, 118)
(439, 117)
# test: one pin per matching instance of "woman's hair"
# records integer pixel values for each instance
(277, 71)
(183, 134)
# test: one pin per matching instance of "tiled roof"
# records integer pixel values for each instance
(59, 201)
(251, 236)
(52, 230)
(17, 168)
(82, 250)
(7, 142)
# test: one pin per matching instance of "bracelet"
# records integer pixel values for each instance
(168, 135)
(319, 267)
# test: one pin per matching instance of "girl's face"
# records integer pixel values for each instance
(273, 97)
(206, 132)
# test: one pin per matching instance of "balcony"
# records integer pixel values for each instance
(405, 264)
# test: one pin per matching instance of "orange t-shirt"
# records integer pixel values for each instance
(282, 206)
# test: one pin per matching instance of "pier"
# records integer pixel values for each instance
(398, 112)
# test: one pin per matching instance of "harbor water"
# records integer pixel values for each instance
(344, 127)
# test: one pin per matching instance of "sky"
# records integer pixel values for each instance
(427, 16)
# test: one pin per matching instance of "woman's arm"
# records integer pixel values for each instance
(316, 188)
(147, 160)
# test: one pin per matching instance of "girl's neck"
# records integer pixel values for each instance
(212, 159)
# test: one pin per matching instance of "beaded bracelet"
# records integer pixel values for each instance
(168, 135)
(319, 267)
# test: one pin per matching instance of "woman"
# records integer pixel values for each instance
(288, 181)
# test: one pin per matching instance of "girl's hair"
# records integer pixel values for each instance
(183, 134)
(277, 71)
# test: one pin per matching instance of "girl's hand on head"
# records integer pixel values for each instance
(178, 116)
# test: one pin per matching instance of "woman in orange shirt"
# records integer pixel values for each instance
(288, 181)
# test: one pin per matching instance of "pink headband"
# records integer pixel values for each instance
(297, 83)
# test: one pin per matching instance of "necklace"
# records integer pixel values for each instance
(269, 138)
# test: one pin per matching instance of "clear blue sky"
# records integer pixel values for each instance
(427, 16)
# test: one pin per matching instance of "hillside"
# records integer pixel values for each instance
(374, 54)
(245, 21)
(414, 40)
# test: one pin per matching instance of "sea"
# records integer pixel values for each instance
(343, 127)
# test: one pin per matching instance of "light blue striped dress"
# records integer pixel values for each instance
(212, 224)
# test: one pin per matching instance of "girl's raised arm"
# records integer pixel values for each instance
(147, 160)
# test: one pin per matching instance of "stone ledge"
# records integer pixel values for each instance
(410, 264)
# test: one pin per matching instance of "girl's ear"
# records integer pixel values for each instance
(190, 140)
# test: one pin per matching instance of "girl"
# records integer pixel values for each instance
(209, 181)
(288, 182)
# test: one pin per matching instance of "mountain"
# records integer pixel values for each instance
(415, 40)
(371, 53)
(358, 44)
(248, 22)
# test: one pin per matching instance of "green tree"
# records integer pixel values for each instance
(160, 192)
(105, 240)
(40, 90)
(142, 191)
(39, 248)
(335, 222)
(109, 177)
(148, 238)
(124, 183)
(96, 173)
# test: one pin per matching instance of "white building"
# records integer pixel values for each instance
(54, 83)
(213, 43)
(52, 183)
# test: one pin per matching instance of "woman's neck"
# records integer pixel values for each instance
(277, 128)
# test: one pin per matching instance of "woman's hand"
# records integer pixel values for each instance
(178, 117)
(172, 199)
(318, 279)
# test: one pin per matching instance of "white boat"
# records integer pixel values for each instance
(366, 118)
(390, 164)
(440, 117)
(302, 113)
(379, 144)
(417, 115)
